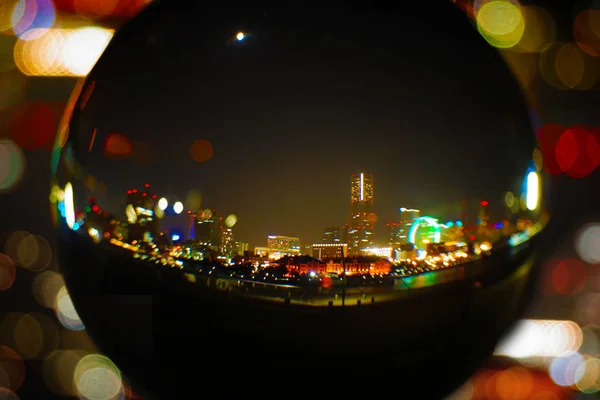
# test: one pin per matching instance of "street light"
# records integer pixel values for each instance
(178, 207)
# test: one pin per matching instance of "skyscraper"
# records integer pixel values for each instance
(331, 235)
(398, 230)
(362, 218)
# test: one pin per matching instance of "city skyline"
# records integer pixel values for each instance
(280, 146)
(358, 191)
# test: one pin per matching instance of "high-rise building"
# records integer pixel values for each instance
(398, 230)
(227, 242)
(332, 235)
(207, 228)
(143, 225)
(362, 218)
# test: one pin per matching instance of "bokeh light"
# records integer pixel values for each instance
(570, 65)
(568, 276)
(8, 272)
(35, 336)
(578, 151)
(6, 394)
(97, 378)
(45, 288)
(59, 369)
(12, 367)
(541, 338)
(514, 383)
(564, 66)
(163, 204)
(586, 29)
(10, 10)
(61, 52)
(66, 312)
(117, 146)
(501, 23)
(33, 125)
(12, 165)
(178, 207)
(587, 376)
(193, 200)
(230, 220)
(540, 30)
(32, 17)
(563, 369)
(29, 251)
(587, 243)
(201, 150)
(34, 253)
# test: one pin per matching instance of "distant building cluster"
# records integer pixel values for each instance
(155, 222)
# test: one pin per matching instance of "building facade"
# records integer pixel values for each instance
(361, 227)
(324, 251)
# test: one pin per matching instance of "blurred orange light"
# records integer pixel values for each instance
(201, 150)
(117, 145)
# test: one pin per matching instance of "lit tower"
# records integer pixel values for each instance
(362, 217)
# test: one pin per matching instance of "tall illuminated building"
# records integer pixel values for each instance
(332, 235)
(227, 243)
(207, 228)
(362, 218)
(398, 230)
(143, 225)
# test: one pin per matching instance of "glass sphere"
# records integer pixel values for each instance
(280, 191)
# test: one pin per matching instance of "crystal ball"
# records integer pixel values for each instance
(280, 190)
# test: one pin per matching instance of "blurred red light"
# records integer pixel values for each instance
(144, 194)
(134, 190)
(95, 208)
(578, 151)
(484, 203)
(548, 136)
(471, 237)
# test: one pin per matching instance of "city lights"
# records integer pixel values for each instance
(69, 206)
(532, 191)
(163, 204)
(178, 207)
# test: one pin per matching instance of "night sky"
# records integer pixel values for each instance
(308, 98)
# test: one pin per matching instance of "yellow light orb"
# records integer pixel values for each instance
(501, 24)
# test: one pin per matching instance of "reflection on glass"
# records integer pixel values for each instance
(297, 184)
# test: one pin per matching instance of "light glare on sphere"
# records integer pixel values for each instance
(351, 199)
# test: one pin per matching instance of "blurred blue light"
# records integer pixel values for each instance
(458, 223)
(75, 226)
(449, 224)
(499, 225)
(175, 237)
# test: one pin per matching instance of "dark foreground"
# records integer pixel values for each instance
(172, 338)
